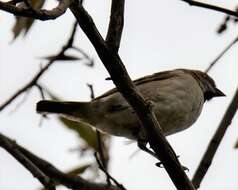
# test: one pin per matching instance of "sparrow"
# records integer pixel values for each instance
(177, 97)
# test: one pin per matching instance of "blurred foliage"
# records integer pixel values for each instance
(79, 170)
(23, 24)
(75, 171)
(84, 131)
(227, 20)
(236, 145)
(89, 137)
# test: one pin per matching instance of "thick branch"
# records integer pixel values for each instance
(11, 147)
(211, 7)
(116, 24)
(120, 77)
(37, 14)
(215, 142)
(73, 182)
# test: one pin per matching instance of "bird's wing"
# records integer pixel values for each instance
(149, 78)
(117, 107)
(155, 77)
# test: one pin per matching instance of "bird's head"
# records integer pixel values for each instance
(207, 85)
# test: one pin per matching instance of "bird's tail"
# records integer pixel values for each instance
(72, 110)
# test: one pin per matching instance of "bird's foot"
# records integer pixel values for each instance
(160, 165)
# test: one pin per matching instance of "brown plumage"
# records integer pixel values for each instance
(177, 96)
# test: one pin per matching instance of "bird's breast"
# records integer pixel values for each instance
(179, 108)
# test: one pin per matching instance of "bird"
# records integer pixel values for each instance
(177, 97)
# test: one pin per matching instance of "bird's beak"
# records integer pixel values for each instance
(218, 93)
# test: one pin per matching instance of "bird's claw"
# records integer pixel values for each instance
(160, 165)
(185, 168)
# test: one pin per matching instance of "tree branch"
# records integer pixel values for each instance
(70, 181)
(120, 77)
(215, 142)
(116, 23)
(211, 7)
(35, 79)
(221, 54)
(27, 86)
(11, 147)
(120, 186)
(74, 182)
(37, 14)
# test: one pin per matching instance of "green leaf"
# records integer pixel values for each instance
(23, 24)
(84, 131)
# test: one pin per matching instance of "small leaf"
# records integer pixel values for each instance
(79, 170)
(23, 24)
(222, 28)
(84, 131)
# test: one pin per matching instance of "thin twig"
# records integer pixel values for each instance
(90, 62)
(100, 143)
(23, 100)
(208, 156)
(211, 7)
(100, 149)
(35, 79)
(101, 154)
(27, 86)
(107, 174)
(41, 90)
(121, 79)
(72, 36)
(11, 147)
(92, 94)
(36, 14)
(42, 94)
(221, 54)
